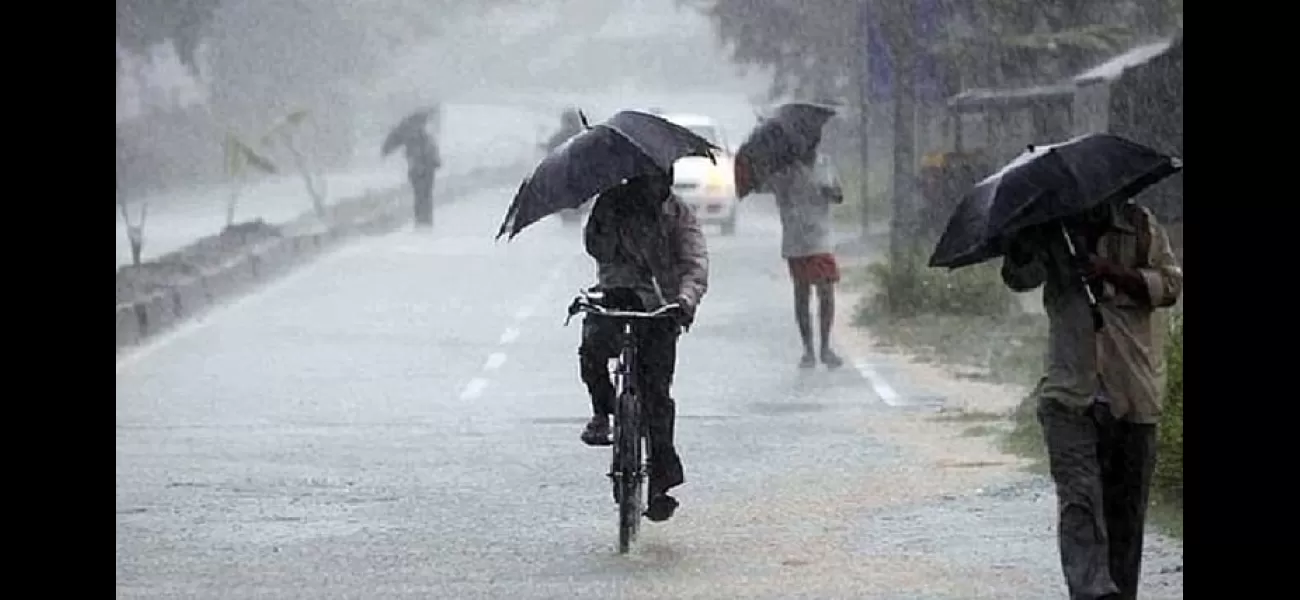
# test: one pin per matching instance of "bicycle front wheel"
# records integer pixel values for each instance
(628, 461)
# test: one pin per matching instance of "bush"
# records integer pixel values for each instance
(1169, 468)
(879, 208)
(913, 289)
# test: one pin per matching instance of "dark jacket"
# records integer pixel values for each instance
(664, 243)
(422, 154)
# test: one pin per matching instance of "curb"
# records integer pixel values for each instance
(152, 315)
(375, 213)
(129, 321)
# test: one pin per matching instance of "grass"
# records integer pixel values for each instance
(878, 209)
(1002, 349)
(981, 430)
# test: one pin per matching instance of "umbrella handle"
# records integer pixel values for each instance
(1097, 321)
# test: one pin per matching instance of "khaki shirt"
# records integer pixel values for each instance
(1125, 360)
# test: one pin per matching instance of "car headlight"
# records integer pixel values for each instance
(717, 184)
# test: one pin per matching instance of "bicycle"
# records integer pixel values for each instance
(628, 468)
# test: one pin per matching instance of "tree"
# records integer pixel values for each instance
(183, 23)
(240, 159)
(134, 231)
(810, 45)
(817, 47)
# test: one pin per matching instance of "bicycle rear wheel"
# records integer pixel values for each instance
(628, 470)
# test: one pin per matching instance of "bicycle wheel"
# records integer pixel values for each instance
(628, 473)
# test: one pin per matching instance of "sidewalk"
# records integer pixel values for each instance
(183, 217)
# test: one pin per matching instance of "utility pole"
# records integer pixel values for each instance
(862, 79)
(904, 44)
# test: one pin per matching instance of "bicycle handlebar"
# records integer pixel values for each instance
(583, 303)
(606, 312)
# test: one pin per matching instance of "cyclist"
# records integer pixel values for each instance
(645, 239)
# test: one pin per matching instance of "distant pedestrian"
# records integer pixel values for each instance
(422, 160)
(804, 194)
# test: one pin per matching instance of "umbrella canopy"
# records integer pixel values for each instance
(1044, 184)
(794, 130)
(406, 130)
(626, 145)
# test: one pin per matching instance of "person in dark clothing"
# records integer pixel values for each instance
(1100, 398)
(646, 240)
(423, 161)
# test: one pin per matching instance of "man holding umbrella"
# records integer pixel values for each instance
(1063, 218)
(781, 155)
(422, 160)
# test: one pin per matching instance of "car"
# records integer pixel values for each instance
(708, 188)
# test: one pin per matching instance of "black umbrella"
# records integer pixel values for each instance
(626, 145)
(1048, 184)
(406, 130)
(778, 141)
(1045, 184)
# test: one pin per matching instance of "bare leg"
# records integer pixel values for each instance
(826, 320)
(803, 317)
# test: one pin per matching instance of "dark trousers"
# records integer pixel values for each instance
(657, 359)
(422, 185)
(1102, 468)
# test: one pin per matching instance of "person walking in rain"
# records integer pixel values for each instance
(422, 160)
(804, 193)
(1100, 398)
(645, 239)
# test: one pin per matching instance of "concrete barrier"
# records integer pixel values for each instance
(128, 325)
(373, 214)
(191, 297)
(271, 259)
(302, 248)
(159, 312)
(228, 279)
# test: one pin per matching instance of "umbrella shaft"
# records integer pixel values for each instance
(1069, 244)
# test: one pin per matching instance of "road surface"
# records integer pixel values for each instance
(400, 419)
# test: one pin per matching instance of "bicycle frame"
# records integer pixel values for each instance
(628, 466)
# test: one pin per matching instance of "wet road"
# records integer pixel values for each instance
(400, 420)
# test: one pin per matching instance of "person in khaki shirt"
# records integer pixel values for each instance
(1100, 398)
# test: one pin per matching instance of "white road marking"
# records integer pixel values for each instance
(510, 335)
(879, 385)
(494, 361)
(473, 389)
